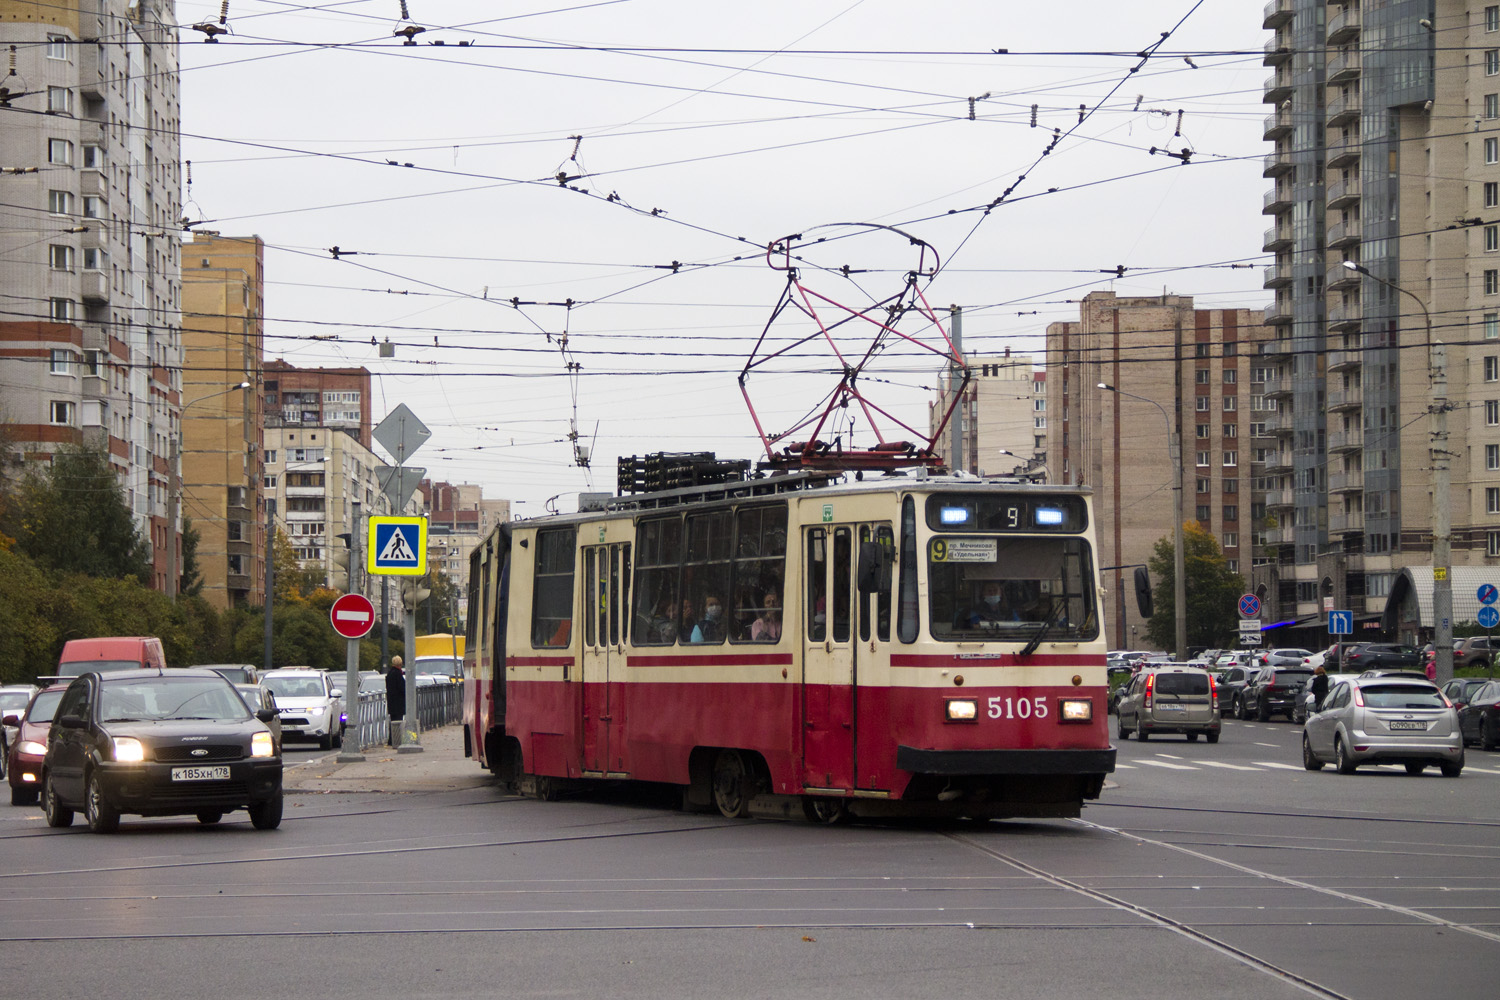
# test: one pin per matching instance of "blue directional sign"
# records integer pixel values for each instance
(1249, 606)
(1488, 617)
(1487, 593)
(398, 546)
(1341, 622)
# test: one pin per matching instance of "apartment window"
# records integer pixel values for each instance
(1491, 239)
(94, 259)
(1231, 486)
(1203, 431)
(1203, 459)
(1203, 512)
(236, 565)
(1492, 368)
(91, 362)
(1492, 326)
(1492, 457)
(1231, 539)
(271, 457)
(1231, 459)
(61, 310)
(1231, 430)
(1201, 376)
(1039, 423)
(1231, 349)
(1492, 500)
(1231, 403)
(1492, 412)
(93, 157)
(1492, 62)
(59, 151)
(1492, 150)
(57, 46)
(1231, 376)
(61, 412)
(1491, 281)
(60, 202)
(1232, 512)
(1492, 105)
(93, 206)
(270, 482)
(1204, 485)
(61, 257)
(1201, 350)
(1492, 18)
(1203, 403)
(62, 362)
(60, 100)
(236, 496)
(1491, 194)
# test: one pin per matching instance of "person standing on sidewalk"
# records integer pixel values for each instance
(395, 699)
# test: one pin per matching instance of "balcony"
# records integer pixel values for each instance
(1278, 463)
(1342, 194)
(1279, 421)
(1277, 347)
(94, 287)
(1345, 234)
(1344, 26)
(1346, 482)
(1344, 155)
(1277, 238)
(1277, 386)
(1278, 312)
(1345, 360)
(1279, 499)
(1277, 125)
(1277, 276)
(90, 80)
(1275, 164)
(1345, 315)
(1343, 109)
(1344, 67)
(1352, 439)
(1276, 200)
(1340, 277)
(1342, 524)
(1276, 52)
(306, 491)
(1277, 13)
(1277, 88)
(1341, 398)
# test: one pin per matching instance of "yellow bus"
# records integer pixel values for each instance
(442, 655)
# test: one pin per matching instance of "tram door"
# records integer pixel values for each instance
(830, 658)
(606, 576)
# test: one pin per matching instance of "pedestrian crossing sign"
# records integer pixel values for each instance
(397, 546)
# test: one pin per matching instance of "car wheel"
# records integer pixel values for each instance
(1122, 729)
(1263, 712)
(23, 796)
(1309, 759)
(1192, 737)
(58, 815)
(1242, 711)
(266, 815)
(1142, 735)
(1213, 737)
(1415, 767)
(1489, 737)
(102, 817)
(1453, 769)
(325, 742)
(208, 817)
(1341, 756)
(338, 738)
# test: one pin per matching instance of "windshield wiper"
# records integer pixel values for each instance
(1042, 632)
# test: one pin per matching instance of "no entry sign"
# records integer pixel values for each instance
(352, 616)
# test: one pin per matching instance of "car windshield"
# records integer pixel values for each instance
(45, 706)
(445, 665)
(1170, 684)
(990, 587)
(297, 687)
(1402, 696)
(14, 700)
(158, 698)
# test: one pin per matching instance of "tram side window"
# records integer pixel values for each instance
(476, 609)
(705, 577)
(552, 594)
(759, 568)
(658, 547)
(907, 628)
(882, 610)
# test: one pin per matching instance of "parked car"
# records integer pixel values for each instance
(1286, 656)
(1302, 705)
(1379, 654)
(1317, 659)
(1459, 689)
(23, 761)
(1479, 717)
(1273, 691)
(1231, 681)
(310, 702)
(1474, 651)
(1384, 720)
(158, 743)
(118, 652)
(259, 699)
(13, 701)
(238, 673)
(1170, 699)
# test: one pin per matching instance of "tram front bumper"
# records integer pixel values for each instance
(954, 763)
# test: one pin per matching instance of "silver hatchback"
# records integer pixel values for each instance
(1170, 699)
(1384, 720)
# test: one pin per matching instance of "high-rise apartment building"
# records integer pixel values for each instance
(459, 518)
(338, 398)
(221, 450)
(1002, 420)
(1193, 374)
(90, 208)
(1386, 128)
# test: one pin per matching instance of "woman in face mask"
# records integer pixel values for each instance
(991, 608)
(711, 628)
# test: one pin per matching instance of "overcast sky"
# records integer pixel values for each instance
(697, 133)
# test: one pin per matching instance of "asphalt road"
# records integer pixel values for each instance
(1221, 871)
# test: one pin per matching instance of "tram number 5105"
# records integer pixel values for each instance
(1018, 708)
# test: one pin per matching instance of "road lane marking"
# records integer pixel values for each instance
(1273, 746)
(1276, 763)
(1163, 763)
(1232, 767)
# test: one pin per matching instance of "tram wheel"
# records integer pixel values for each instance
(731, 785)
(820, 809)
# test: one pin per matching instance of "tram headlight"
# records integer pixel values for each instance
(1076, 710)
(961, 710)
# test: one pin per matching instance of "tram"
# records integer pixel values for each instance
(905, 642)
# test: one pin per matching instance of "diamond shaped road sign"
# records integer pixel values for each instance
(401, 433)
(399, 484)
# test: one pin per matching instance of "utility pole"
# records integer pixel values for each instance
(955, 386)
(352, 706)
(270, 571)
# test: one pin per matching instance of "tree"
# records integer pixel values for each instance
(293, 584)
(72, 516)
(1212, 591)
(440, 603)
(190, 583)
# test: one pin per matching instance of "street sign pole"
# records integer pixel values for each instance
(352, 707)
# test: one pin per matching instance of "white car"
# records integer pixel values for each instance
(310, 702)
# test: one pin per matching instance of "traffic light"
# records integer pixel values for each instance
(339, 578)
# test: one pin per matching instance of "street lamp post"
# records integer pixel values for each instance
(1179, 556)
(1032, 464)
(174, 490)
(1442, 552)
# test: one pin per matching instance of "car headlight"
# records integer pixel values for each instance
(961, 709)
(32, 747)
(1077, 710)
(316, 709)
(261, 745)
(128, 750)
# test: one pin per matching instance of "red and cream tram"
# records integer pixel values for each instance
(922, 640)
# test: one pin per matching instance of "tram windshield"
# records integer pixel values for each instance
(987, 587)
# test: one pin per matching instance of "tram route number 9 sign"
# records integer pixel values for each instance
(964, 550)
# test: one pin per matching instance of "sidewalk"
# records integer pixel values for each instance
(441, 766)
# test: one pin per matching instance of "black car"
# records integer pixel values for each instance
(1273, 692)
(1232, 681)
(1480, 718)
(1368, 655)
(159, 743)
